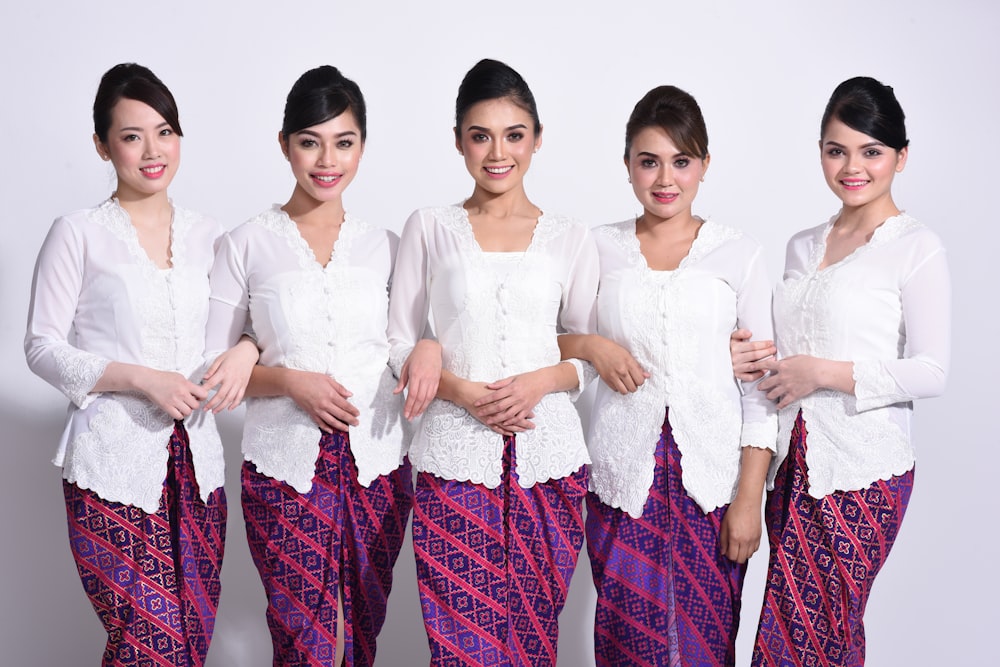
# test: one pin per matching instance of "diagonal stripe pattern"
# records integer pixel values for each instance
(825, 554)
(153, 579)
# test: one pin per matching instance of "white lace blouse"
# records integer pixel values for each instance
(325, 319)
(886, 307)
(97, 298)
(677, 326)
(493, 324)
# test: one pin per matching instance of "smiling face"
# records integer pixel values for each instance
(324, 157)
(497, 141)
(664, 178)
(143, 148)
(858, 168)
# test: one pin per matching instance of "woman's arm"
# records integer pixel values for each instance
(740, 534)
(324, 399)
(616, 365)
(416, 361)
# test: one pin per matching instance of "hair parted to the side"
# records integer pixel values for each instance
(494, 80)
(134, 82)
(675, 112)
(870, 107)
(320, 94)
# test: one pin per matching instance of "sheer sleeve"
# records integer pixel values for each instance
(228, 309)
(578, 314)
(55, 292)
(753, 312)
(408, 299)
(923, 370)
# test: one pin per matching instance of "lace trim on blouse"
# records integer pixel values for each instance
(279, 437)
(626, 428)
(869, 446)
(453, 444)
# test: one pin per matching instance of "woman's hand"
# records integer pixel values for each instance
(739, 537)
(616, 365)
(748, 356)
(420, 375)
(229, 375)
(466, 394)
(512, 399)
(171, 392)
(323, 399)
(793, 378)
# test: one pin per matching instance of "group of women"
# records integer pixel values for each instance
(458, 349)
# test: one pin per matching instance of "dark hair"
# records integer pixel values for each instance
(494, 80)
(675, 112)
(319, 95)
(870, 107)
(134, 82)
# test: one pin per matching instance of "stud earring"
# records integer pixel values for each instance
(630, 179)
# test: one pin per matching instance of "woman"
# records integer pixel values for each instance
(680, 454)
(862, 324)
(326, 491)
(142, 463)
(497, 522)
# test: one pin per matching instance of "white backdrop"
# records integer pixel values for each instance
(762, 72)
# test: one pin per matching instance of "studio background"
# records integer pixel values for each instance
(762, 73)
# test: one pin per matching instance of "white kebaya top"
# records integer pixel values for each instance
(494, 319)
(677, 326)
(886, 307)
(97, 298)
(325, 319)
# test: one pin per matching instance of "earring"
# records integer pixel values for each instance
(630, 179)
(702, 179)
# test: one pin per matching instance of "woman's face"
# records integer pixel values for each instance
(664, 178)
(143, 148)
(325, 157)
(497, 139)
(858, 168)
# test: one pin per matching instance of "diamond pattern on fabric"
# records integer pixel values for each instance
(825, 554)
(666, 596)
(494, 565)
(153, 579)
(309, 546)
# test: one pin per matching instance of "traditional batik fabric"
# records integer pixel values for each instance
(494, 565)
(825, 554)
(666, 595)
(310, 547)
(152, 578)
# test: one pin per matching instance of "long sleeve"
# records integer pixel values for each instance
(228, 306)
(55, 291)
(753, 312)
(923, 370)
(579, 312)
(408, 300)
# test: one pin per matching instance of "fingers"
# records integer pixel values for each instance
(404, 376)
(741, 335)
(500, 384)
(418, 398)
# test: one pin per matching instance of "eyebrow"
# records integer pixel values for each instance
(311, 133)
(139, 129)
(870, 144)
(654, 155)
(477, 128)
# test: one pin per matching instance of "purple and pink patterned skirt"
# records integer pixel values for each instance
(309, 548)
(666, 595)
(152, 578)
(494, 565)
(825, 554)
